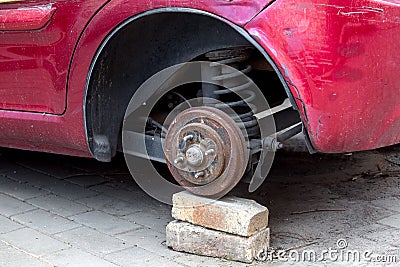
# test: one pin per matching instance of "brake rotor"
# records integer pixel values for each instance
(206, 151)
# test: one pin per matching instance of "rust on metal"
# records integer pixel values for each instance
(206, 151)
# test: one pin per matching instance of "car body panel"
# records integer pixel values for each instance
(341, 60)
(37, 42)
(65, 134)
(331, 55)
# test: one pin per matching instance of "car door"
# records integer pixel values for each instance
(37, 40)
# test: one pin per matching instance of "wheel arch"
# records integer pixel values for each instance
(154, 45)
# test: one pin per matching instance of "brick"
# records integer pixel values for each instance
(11, 206)
(58, 205)
(33, 242)
(92, 240)
(104, 222)
(76, 258)
(186, 237)
(233, 215)
(45, 222)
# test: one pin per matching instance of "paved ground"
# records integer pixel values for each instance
(64, 211)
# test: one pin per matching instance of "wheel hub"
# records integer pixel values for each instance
(204, 146)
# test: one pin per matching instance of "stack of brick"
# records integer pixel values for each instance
(231, 228)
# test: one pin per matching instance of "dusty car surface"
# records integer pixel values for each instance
(328, 69)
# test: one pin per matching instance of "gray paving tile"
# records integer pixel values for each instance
(393, 221)
(7, 166)
(386, 236)
(150, 240)
(92, 240)
(122, 193)
(76, 258)
(54, 185)
(139, 257)
(11, 206)
(25, 175)
(199, 261)
(45, 221)
(32, 241)
(69, 190)
(111, 205)
(87, 180)
(49, 166)
(11, 257)
(155, 221)
(388, 203)
(7, 225)
(19, 190)
(105, 223)
(58, 205)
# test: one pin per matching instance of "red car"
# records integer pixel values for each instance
(68, 70)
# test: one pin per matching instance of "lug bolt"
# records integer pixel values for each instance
(178, 160)
(188, 137)
(198, 175)
(209, 152)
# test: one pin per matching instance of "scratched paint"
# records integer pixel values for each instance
(340, 59)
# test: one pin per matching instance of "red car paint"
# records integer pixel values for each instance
(342, 62)
(338, 58)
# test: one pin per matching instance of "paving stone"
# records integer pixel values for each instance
(92, 240)
(386, 236)
(45, 221)
(51, 165)
(149, 240)
(58, 205)
(69, 190)
(139, 257)
(33, 242)
(7, 225)
(393, 221)
(87, 180)
(183, 236)
(121, 193)
(388, 203)
(156, 221)
(7, 166)
(105, 223)
(11, 257)
(19, 190)
(230, 214)
(200, 261)
(76, 258)
(111, 205)
(11, 206)
(25, 175)
(56, 186)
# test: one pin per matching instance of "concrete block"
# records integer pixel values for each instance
(186, 237)
(233, 215)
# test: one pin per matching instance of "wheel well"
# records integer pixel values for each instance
(134, 52)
